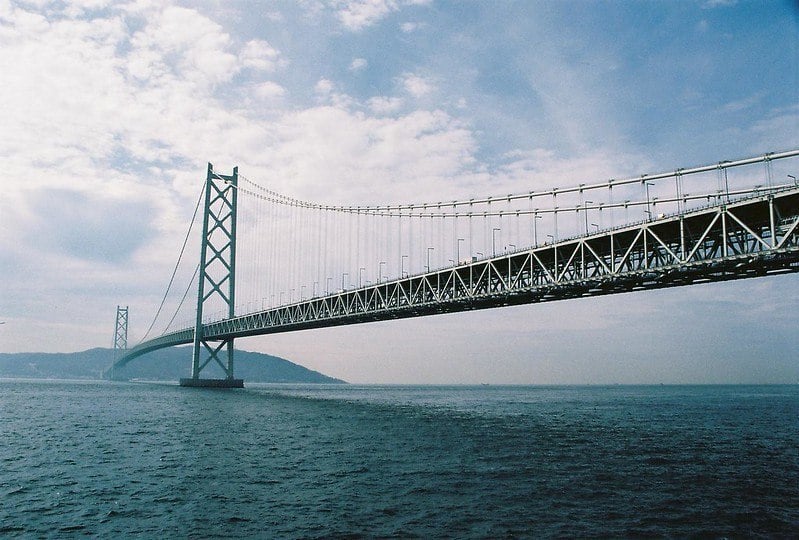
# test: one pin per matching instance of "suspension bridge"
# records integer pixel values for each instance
(299, 264)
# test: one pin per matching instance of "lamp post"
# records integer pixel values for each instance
(360, 277)
(597, 227)
(792, 177)
(458, 244)
(429, 249)
(328, 285)
(380, 271)
(585, 205)
(402, 266)
(648, 211)
(342, 279)
(494, 241)
(726, 182)
(535, 228)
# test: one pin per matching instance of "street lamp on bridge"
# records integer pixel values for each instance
(585, 205)
(648, 211)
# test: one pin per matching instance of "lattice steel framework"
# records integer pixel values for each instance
(747, 238)
(217, 273)
(121, 332)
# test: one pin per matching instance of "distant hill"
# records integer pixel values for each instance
(164, 365)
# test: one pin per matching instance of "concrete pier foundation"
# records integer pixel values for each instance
(212, 383)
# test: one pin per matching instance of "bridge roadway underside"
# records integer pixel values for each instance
(753, 237)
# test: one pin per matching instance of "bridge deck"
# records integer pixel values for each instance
(740, 239)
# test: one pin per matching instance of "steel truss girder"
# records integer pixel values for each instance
(748, 238)
(731, 241)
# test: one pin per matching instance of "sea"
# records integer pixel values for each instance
(146, 460)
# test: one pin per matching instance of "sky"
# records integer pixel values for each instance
(111, 111)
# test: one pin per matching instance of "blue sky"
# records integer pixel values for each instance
(112, 109)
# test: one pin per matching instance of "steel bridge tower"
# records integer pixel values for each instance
(120, 335)
(217, 278)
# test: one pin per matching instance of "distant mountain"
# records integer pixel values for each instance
(164, 365)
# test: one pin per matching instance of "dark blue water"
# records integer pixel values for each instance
(112, 460)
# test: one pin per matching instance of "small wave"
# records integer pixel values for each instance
(71, 528)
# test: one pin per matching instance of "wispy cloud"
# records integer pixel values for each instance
(711, 4)
(358, 64)
(358, 14)
(416, 85)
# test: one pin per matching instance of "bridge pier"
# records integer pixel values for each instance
(211, 383)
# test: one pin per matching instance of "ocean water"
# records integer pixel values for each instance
(282, 461)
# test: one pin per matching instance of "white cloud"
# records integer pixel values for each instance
(323, 87)
(358, 64)
(408, 27)
(385, 105)
(96, 109)
(184, 42)
(269, 90)
(356, 15)
(259, 54)
(415, 85)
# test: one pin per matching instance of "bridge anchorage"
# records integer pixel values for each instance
(725, 221)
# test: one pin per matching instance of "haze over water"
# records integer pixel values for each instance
(113, 459)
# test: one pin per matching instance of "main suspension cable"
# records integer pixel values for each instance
(177, 264)
(185, 294)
